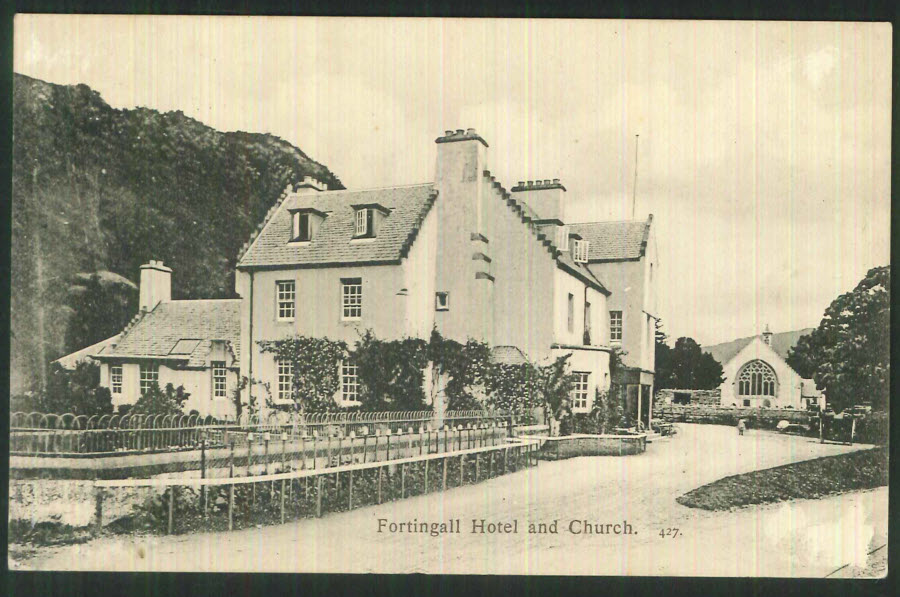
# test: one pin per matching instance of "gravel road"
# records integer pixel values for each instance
(801, 538)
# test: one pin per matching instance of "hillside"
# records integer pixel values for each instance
(781, 343)
(96, 189)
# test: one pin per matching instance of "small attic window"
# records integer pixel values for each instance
(364, 223)
(304, 223)
(367, 219)
(300, 231)
(580, 251)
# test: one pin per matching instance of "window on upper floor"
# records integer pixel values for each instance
(570, 312)
(615, 326)
(351, 298)
(301, 230)
(285, 380)
(579, 395)
(587, 323)
(115, 379)
(442, 301)
(149, 378)
(580, 251)
(285, 295)
(219, 379)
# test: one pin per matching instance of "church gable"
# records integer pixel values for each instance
(757, 349)
(757, 364)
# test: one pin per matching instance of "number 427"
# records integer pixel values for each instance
(671, 533)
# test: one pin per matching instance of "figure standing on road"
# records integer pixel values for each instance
(742, 426)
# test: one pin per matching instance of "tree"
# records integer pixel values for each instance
(76, 391)
(686, 367)
(663, 358)
(157, 401)
(848, 355)
(102, 303)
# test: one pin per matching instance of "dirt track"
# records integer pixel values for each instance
(803, 538)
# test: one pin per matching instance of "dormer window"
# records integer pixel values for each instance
(304, 223)
(364, 223)
(580, 251)
(367, 219)
(301, 231)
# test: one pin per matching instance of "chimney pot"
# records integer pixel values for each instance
(547, 181)
(531, 183)
(521, 183)
(555, 181)
(470, 132)
(448, 133)
(156, 285)
(460, 131)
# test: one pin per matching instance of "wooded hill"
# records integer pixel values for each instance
(101, 190)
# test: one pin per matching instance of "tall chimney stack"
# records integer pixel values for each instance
(156, 285)
(545, 197)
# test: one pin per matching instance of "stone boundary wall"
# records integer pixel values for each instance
(764, 418)
(69, 502)
(698, 397)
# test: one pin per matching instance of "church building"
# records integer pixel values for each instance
(758, 376)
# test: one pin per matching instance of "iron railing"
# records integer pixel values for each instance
(43, 433)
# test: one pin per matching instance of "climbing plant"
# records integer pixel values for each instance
(459, 371)
(390, 373)
(514, 387)
(315, 365)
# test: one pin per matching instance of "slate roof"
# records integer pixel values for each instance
(70, 361)
(154, 334)
(508, 355)
(614, 241)
(331, 243)
(565, 257)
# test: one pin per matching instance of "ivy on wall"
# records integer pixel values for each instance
(315, 364)
(459, 370)
(391, 375)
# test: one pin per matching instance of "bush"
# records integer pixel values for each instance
(157, 401)
(46, 533)
(874, 428)
(76, 391)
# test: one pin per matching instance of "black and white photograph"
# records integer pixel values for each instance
(450, 296)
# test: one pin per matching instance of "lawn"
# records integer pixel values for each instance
(865, 469)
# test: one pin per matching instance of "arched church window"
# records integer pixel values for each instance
(757, 378)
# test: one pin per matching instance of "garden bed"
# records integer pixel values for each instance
(582, 444)
(865, 469)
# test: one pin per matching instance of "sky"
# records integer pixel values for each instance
(763, 149)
